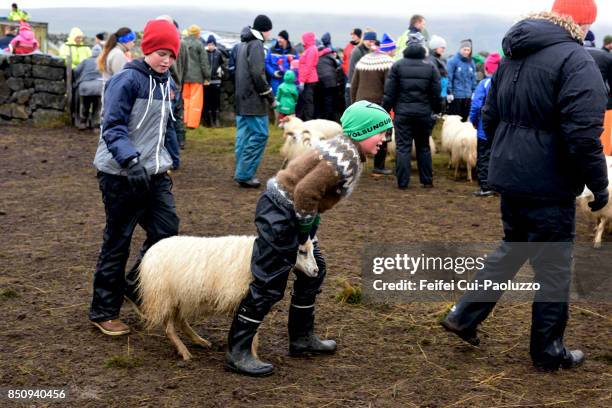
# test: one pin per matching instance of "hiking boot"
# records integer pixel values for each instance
(483, 193)
(252, 183)
(430, 185)
(384, 172)
(571, 359)
(450, 324)
(113, 327)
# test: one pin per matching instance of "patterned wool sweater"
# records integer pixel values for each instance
(316, 181)
(368, 81)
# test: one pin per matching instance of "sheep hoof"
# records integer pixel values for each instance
(202, 343)
(186, 355)
(597, 245)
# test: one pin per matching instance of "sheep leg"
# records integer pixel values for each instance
(174, 338)
(456, 171)
(193, 336)
(255, 345)
(601, 227)
(284, 164)
(469, 173)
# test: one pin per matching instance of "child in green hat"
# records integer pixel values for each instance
(287, 217)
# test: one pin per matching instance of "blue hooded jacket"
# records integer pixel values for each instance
(478, 102)
(461, 77)
(275, 54)
(137, 115)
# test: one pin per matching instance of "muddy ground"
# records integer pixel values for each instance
(51, 222)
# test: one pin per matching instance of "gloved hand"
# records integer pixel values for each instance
(301, 86)
(220, 72)
(137, 176)
(450, 98)
(600, 201)
(278, 74)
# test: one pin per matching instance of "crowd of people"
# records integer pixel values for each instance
(538, 112)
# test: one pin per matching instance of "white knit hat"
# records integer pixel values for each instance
(437, 42)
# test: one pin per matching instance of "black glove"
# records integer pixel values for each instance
(137, 176)
(600, 201)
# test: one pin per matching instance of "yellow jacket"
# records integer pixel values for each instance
(77, 52)
(18, 15)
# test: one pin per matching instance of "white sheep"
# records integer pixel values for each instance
(601, 217)
(300, 136)
(463, 149)
(392, 147)
(183, 278)
(451, 126)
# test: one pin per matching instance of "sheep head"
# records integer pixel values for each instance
(306, 261)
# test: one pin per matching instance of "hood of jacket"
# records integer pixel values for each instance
(246, 35)
(289, 77)
(26, 34)
(415, 52)
(308, 39)
(537, 32)
(326, 40)
(74, 33)
(145, 69)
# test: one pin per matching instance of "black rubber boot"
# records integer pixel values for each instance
(239, 357)
(463, 319)
(302, 340)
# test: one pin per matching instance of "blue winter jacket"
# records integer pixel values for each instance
(461, 77)
(478, 101)
(275, 70)
(137, 115)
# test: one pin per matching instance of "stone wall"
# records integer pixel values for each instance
(32, 88)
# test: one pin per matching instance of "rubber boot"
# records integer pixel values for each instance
(302, 339)
(239, 357)
(464, 318)
(207, 119)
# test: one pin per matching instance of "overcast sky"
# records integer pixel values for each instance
(510, 8)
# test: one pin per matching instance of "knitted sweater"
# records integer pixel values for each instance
(369, 77)
(316, 181)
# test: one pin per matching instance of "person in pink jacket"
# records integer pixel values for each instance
(307, 76)
(25, 42)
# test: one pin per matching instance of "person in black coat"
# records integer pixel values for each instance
(212, 102)
(412, 90)
(254, 97)
(327, 71)
(544, 114)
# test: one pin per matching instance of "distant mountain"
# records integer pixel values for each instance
(486, 31)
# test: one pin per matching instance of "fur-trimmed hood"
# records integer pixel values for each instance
(538, 31)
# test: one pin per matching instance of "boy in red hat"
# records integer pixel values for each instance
(132, 163)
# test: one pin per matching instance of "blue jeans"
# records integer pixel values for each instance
(251, 139)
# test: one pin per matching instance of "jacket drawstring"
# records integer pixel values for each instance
(152, 85)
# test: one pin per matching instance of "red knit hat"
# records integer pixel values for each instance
(160, 34)
(492, 62)
(581, 11)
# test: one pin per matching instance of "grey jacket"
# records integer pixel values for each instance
(137, 115)
(253, 92)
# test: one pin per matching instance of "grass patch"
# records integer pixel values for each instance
(349, 294)
(122, 362)
(223, 140)
(8, 294)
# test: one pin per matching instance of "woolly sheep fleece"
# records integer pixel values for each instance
(205, 279)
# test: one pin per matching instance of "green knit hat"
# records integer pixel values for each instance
(365, 119)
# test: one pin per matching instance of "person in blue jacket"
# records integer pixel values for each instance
(278, 60)
(461, 81)
(132, 163)
(483, 146)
